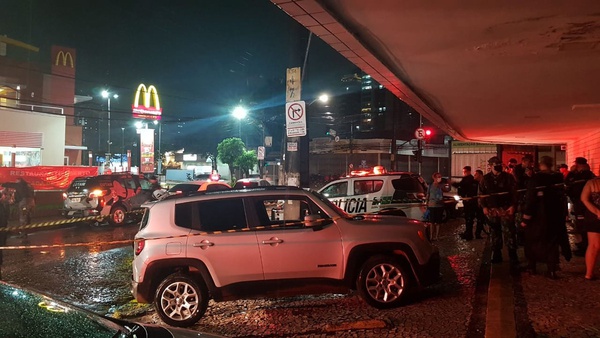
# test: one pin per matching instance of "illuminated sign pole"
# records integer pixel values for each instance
(147, 112)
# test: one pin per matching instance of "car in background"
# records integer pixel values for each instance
(26, 313)
(245, 183)
(115, 196)
(376, 190)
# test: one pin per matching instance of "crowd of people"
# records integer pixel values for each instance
(524, 204)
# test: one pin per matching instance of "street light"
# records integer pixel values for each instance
(239, 113)
(122, 145)
(107, 95)
(159, 141)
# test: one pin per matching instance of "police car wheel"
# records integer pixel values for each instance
(384, 282)
(117, 216)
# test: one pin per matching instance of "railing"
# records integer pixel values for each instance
(41, 109)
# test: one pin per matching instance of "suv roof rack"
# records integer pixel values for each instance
(228, 191)
(268, 188)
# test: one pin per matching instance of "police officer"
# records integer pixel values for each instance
(499, 207)
(467, 189)
(4, 211)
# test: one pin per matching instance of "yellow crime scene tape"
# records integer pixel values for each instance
(128, 241)
(204, 233)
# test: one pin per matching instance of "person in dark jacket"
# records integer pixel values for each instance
(544, 218)
(24, 198)
(481, 219)
(574, 182)
(467, 189)
(4, 212)
(499, 207)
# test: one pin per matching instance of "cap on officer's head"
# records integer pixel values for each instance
(494, 160)
(580, 160)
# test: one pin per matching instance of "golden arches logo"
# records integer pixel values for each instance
(149, 95)
(65, 57)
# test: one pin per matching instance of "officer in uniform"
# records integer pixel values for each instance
(499, 207)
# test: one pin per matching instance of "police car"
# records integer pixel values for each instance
(378, 191)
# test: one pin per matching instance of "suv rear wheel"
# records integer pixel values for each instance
(383, 282)
(180, 300)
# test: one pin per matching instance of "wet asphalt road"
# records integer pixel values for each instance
(96, 276)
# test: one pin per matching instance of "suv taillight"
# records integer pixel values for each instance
(64, 196)
(139, 245)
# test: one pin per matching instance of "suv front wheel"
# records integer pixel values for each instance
(383, 282)
(180, 300)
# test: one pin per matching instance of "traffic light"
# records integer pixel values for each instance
(428, 134)
(418, 155)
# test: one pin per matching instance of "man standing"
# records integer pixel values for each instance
(24, 198)
(4, 201)
(467, 189)
(574, 182)
(481, 219)
(499, 207)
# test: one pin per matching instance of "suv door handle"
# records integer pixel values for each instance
(204, 244)
(272, 240)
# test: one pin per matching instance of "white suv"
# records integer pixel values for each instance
(273, 242)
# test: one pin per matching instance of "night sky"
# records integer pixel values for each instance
(202, 56)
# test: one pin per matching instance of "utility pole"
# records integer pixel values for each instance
(296, 162)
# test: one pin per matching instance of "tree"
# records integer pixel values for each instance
(247, 161)
(229, 150)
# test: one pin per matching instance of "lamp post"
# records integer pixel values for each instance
(122, 145)
(239, 113)
(107, 95)
(159, 169)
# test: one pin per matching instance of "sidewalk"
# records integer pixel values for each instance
(527, 305)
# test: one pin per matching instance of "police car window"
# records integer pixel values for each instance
(336, 190)
(145, 184)
(130, 183)
(222, 214)
(362, 187)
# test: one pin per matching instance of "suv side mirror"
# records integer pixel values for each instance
(316, 222)
(311, 221)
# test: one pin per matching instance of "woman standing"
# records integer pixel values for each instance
(590, 196)
(435, 204)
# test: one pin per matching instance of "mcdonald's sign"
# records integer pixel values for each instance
(146, 111)
(61, 55)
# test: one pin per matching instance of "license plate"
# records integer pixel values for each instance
(75, 199)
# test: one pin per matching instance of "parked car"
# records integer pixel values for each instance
(245, 183)
(29, 314)
(113, 195)
(229, 245)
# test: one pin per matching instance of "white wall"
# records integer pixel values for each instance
(52, 128)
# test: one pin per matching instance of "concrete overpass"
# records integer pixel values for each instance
(485, 71)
